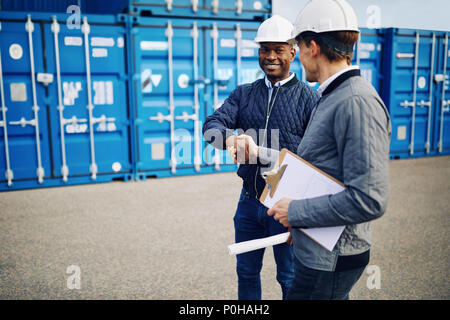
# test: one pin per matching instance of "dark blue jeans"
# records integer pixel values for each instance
(311, 284)
(252, 222)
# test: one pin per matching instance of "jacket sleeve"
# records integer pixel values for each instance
(222, 123)
(362, 132)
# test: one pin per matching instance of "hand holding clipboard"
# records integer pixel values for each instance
(298, 179)
(295, 179)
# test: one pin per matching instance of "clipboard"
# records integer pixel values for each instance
(295, 178)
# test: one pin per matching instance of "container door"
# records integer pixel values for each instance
(24, 142)
(442, 94)
(232, 58)
(411, 92)
(89, 112)
(169, 104)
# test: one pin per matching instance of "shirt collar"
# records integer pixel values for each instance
(327, 82)
(279, 83)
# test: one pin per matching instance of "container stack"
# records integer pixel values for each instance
(122, 95)
(416, 90)
(187, 58)
(64, 100)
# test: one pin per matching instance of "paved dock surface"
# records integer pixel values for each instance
(167, 239)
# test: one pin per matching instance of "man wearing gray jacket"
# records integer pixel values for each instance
(348, 138)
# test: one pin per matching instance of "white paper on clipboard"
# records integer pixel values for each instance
(301, 180)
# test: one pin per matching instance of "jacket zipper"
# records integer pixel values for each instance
(269, 111)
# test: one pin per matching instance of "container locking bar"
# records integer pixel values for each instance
(444, 103)
(62, 121)
(215, 36)
(195, 117)
(3, 123)
(29, 27)
(412, 103)
(169, 35)
(85, 29)
(430, 97)
(238, 35)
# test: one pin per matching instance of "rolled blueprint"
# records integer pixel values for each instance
(251, 245)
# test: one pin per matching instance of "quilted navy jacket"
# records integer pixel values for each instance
(246, 108)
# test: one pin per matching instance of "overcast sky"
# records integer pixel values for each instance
(413, 14)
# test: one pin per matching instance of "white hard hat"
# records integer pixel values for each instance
(274, 29)
(325, 16)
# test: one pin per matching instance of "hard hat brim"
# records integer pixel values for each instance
(259, 40)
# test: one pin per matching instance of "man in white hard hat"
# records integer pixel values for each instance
(348, 138)
(275, 111)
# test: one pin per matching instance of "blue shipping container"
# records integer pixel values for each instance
(212, 9)
(66, 6)
(24, 139)
(416, 92)
(64, 101)
(172, 94)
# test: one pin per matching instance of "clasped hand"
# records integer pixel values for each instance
(242, 149)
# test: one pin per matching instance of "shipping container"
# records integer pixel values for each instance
(416, 92)
(65, 114)
(257, 10)
(66, 6)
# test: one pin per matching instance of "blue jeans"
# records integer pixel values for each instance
(311, 284)
(252, 222)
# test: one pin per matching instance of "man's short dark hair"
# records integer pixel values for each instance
(335, 46)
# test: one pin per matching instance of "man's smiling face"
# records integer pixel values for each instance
(275, 59)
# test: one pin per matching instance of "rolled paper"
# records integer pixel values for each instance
(246, 246)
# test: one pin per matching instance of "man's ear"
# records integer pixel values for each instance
(293, 53)
(315, 48)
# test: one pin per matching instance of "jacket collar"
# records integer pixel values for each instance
(290, 83)
(336, 82)
(279, 83)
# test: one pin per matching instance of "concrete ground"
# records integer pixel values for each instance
(167, 239)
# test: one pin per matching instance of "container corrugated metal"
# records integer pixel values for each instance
(212, 9)
(65, 6)
(416, 92)
(79, 89)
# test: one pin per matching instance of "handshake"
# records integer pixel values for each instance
(242, 149)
